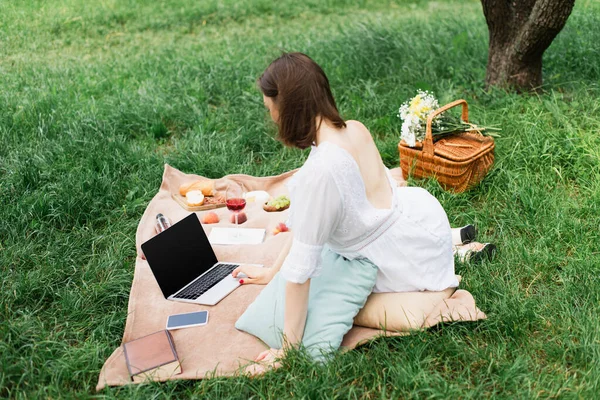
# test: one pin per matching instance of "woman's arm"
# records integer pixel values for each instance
(263, 275)
(296, 309)
(294, 321)
(284, 252)
(317, 208)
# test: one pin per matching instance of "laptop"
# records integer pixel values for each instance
(185, 265)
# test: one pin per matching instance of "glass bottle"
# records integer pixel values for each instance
(162, 223)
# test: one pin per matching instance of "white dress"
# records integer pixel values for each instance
(410, 243)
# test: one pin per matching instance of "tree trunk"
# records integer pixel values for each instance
(520, 31)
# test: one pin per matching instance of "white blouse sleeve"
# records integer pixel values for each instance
(315, 210)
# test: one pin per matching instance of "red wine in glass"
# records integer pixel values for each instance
(234, 198)
(236, 204)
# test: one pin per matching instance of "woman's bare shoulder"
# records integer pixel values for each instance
(356, 124)
(359, 131)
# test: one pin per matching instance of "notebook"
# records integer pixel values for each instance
(236, 236)
(152, 357)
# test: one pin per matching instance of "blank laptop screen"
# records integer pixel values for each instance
(179, 254)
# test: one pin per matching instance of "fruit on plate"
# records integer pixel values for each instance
(194, 198)
(242, 217)
(210, 218)
(277, 204)
(281, 227)
(205, 186)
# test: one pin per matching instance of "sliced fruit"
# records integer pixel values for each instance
(281, 227)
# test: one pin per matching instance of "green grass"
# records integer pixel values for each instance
(96, 96)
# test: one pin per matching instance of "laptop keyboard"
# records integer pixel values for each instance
(207, 281)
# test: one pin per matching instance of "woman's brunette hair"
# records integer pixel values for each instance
(300, 91)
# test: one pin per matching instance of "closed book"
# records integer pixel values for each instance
(152, 357)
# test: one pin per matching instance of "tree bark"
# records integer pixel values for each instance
(520, 31)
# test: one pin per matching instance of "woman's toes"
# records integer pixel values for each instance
(475, 252)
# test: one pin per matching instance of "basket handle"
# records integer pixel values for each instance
(428, 144)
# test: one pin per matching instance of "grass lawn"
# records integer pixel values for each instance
(96, 96)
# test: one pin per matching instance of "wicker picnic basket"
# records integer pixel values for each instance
(458, 162)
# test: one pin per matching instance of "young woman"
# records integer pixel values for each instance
(344, 197)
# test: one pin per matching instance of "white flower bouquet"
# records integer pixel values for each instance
(414, 114)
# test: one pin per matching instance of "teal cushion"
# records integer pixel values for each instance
(336, 296)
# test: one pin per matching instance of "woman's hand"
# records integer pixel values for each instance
(257, 275)
(267, 360)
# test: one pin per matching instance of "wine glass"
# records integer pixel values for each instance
(235, 198)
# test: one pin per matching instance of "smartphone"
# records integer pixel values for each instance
(187, 320)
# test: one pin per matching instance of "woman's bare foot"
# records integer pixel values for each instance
(475, 252)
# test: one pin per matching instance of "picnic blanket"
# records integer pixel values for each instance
(217, 349)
